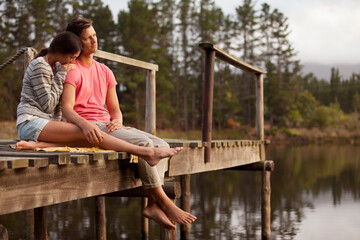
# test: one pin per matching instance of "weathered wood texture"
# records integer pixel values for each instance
(40, 229)
(224, 155)
(226, 57)
(150, 108)
(208, 93)
(100, 218)
(126, 60)
(266, 205)
(260, 112)
(31, 187)
(185, 205)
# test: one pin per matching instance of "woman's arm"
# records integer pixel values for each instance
(46, 86)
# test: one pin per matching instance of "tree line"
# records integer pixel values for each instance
(167, 32)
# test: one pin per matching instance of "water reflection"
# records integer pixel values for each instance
(315, 194)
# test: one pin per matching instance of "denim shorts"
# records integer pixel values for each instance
(31, 129)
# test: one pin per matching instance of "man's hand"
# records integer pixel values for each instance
(93, 133)
(114, 125)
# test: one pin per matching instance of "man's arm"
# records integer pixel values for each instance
(112, 104)
(91, 131)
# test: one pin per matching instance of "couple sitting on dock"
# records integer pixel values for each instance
(67, 72)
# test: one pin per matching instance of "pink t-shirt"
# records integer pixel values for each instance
(91, 86)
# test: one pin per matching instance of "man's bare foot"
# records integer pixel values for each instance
(25, 145)
(160, 153)
(154, 212)
(178, 215)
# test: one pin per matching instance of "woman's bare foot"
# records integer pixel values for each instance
(154, 212)
(177, 215)
(25, 145)
(160, 153)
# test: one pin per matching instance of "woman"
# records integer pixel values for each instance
(39, 111)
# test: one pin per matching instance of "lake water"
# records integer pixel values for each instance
(315, 195)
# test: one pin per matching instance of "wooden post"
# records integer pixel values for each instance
(150, 127)
(40, 223)
(166, 234)
(144, 221)
(185, 205)
(28, 57)
(260, 113)
(265, 175)
(100, 218)
(30, 224)
(150, 111)
(265, 205)
(208, 102)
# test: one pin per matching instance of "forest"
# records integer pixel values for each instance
(168, 32)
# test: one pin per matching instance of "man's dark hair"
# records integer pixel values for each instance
(76, 25)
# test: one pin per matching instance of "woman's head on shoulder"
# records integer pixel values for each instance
(65, 45)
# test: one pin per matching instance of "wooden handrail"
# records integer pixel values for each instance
(226, 57)
(212, 52)
(126, 60)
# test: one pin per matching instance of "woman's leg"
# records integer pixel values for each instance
(57, 134)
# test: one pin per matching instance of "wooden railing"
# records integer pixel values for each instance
(212, 51)
(150, 107)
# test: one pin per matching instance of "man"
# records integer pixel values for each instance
(87, 89)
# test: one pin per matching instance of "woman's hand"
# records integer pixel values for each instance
(93, 133)
(114, 125)
(68, 66)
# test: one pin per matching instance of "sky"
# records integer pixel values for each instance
(325, 32)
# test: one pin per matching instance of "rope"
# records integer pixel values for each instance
(16, 56)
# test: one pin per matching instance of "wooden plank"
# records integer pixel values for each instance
(226, 57)
(80, 159)
(38, 162)
(126, 60)
(60, 158)
(31, 188)
(112, 156)
(191, 160)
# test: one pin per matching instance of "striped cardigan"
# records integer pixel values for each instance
(41, 90)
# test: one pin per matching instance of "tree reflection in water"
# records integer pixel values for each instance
(227, 203)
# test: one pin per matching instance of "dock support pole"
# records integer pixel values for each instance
(144, 221)
(185, 205)
(30, 224)
(265, 205)
(208, 102)
(40, 223)
(100, 218)
(166, 234)
(265, 175)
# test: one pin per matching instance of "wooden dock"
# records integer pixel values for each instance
(30, 180)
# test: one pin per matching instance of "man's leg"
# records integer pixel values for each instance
(153, 178)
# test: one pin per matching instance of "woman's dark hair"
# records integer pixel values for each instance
(76, 25)
(64, 42)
